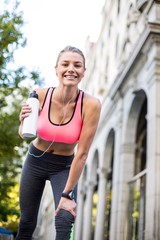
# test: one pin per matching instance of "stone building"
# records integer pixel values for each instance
(119, 191)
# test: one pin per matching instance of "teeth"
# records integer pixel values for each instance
(70, 76)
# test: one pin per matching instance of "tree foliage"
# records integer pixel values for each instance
(12, 93)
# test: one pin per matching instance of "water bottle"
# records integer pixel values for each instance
(29, 129)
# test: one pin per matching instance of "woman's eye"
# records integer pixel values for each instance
(67, 64)
(77, 66)
(64, 64)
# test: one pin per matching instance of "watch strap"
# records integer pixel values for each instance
(69, 195)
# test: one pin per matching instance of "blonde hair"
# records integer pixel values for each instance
(70, 49)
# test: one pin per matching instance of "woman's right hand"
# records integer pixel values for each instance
(25, 111)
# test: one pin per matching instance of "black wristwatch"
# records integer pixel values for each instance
(69, 195)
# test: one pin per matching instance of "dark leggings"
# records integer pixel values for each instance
(35, 172)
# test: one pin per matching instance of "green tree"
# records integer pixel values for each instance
(12, 92)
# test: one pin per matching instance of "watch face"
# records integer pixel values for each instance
(71, 195)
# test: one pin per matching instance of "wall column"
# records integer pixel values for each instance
(126, 172)
(115, 179)
(80, 215)
(123, 159)
(101, 207)
(87, 218)
(153, 148)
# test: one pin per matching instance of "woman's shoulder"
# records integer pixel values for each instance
(91, 101)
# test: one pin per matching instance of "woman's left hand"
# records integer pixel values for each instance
(68, 205)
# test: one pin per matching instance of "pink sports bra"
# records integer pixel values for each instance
(68, 132)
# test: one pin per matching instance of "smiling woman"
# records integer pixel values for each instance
(71, 65)
(68, 117)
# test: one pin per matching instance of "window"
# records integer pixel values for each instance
(94, 208)
(137, 185)
(109, 189)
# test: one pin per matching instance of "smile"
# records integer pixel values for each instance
(70, 76)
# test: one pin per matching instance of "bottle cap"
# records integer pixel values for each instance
(33, 95)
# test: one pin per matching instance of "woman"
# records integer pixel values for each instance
(68, 117)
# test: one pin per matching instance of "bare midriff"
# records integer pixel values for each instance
(55, 148)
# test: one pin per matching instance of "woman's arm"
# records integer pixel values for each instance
(90, 123)
(92, 108)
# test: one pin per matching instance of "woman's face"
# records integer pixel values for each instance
(70, 68)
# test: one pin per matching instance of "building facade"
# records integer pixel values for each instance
(119, 191)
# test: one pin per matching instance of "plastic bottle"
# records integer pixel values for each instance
(29, 129)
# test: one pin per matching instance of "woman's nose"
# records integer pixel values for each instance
(71, 67)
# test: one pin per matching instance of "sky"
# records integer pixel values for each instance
(50, 25)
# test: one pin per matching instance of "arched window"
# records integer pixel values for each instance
(110, 161)
(94, 208)
(95, 180)
(137, 184)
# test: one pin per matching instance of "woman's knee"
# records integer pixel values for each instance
(63, 222)
(64, 218)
